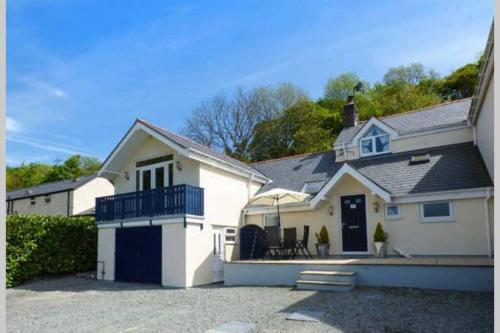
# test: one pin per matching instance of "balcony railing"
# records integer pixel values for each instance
(172, 200)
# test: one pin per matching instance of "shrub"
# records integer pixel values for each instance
(380, 235)
(41, 245)
(322, 237)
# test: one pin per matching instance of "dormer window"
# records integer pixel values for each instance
(374, 142)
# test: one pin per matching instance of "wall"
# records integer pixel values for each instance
(485, 128)
(83, 198)
(198, 255)
(153, 148)
(465, 236)
(446, 137)
(173, 255)
(106, 253)
(58, 205)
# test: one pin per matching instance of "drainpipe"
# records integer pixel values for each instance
(487, 222)
(474, 135)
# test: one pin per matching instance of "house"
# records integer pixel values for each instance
(481, 112)
(74, 197)
(176, 210)
(178, 207)
(417, 173)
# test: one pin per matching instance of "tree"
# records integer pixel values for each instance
(338, 88)
(304, 127)
(228, 123)
(74, 167)
(26, 175)
(461, 83)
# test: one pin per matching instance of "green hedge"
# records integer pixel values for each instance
(42, 245)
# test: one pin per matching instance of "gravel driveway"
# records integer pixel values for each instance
(73, 304)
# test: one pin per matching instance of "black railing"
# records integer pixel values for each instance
(172, 200)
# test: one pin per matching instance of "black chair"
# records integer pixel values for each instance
(274, 248)
(301, 245)
(290, 242)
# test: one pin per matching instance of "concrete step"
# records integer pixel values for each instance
(329, 276)
(324, 286)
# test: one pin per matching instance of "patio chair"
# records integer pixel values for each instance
(274, 247)
(290, 242)
(301, 245)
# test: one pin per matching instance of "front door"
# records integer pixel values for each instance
(353, 223)
(218, 256)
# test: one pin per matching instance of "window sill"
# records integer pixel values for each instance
(448, 219)
(393, 218)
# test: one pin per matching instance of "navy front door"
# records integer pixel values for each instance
(138, 254)
(353, 223)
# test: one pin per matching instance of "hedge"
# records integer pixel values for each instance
(43, 245)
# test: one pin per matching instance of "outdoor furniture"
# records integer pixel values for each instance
(274, 247)
(301, 245)
(289, 242)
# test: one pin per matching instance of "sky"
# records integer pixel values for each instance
(80, 72)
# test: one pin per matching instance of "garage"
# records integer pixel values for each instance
(138, 254)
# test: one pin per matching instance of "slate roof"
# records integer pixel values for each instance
(437, 116)
(188, 143)
(47, 188)
(452, 167)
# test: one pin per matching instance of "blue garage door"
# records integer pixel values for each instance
(138, 254)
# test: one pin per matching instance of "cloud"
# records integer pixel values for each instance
(48, 146)
(13, 126)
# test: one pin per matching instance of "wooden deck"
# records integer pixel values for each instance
(393, 261)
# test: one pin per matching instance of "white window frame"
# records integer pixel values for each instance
(152, 168)
(231, 232)
(264, 219)
(372, 139)
(436, 218)
(392, 217)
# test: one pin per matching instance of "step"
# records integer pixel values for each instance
(329, 276)
(324, 286)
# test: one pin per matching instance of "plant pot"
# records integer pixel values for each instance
(380, 249)
(323, 250)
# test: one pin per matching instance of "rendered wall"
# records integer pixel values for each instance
(58, 205)
(423, 141)
(152, 148)
(485, 129)
(83, 198)
(106, 253)
(198, 255)
(466, 235)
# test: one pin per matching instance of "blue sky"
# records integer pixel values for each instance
(80, 72)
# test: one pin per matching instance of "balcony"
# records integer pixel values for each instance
(172, 200)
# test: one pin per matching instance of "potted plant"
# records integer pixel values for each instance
(380, 241)
(323, 245)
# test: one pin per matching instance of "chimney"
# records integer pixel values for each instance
(351, 115)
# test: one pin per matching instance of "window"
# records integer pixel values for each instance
(33, 201)
(271, 220)
(392, 212)
(46, 199)
(313, 187)
(230, 235)
(420, 158)
(374, 142)
(436, 211)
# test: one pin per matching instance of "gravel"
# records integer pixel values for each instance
(72, 304)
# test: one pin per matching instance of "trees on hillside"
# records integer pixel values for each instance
(27, 175)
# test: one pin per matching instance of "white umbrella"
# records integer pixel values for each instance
(276, 196)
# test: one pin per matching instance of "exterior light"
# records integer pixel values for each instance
(375, 206)
(126, 175)
(178, 165)
(330, 210)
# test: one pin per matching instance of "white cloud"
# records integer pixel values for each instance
(48, 146)
(13, 126)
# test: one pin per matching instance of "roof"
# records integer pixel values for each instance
(190, 144)
(485, 76)
(433, 117)
(452, 167)
(47, 188)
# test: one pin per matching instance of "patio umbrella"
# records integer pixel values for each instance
(278, 196)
